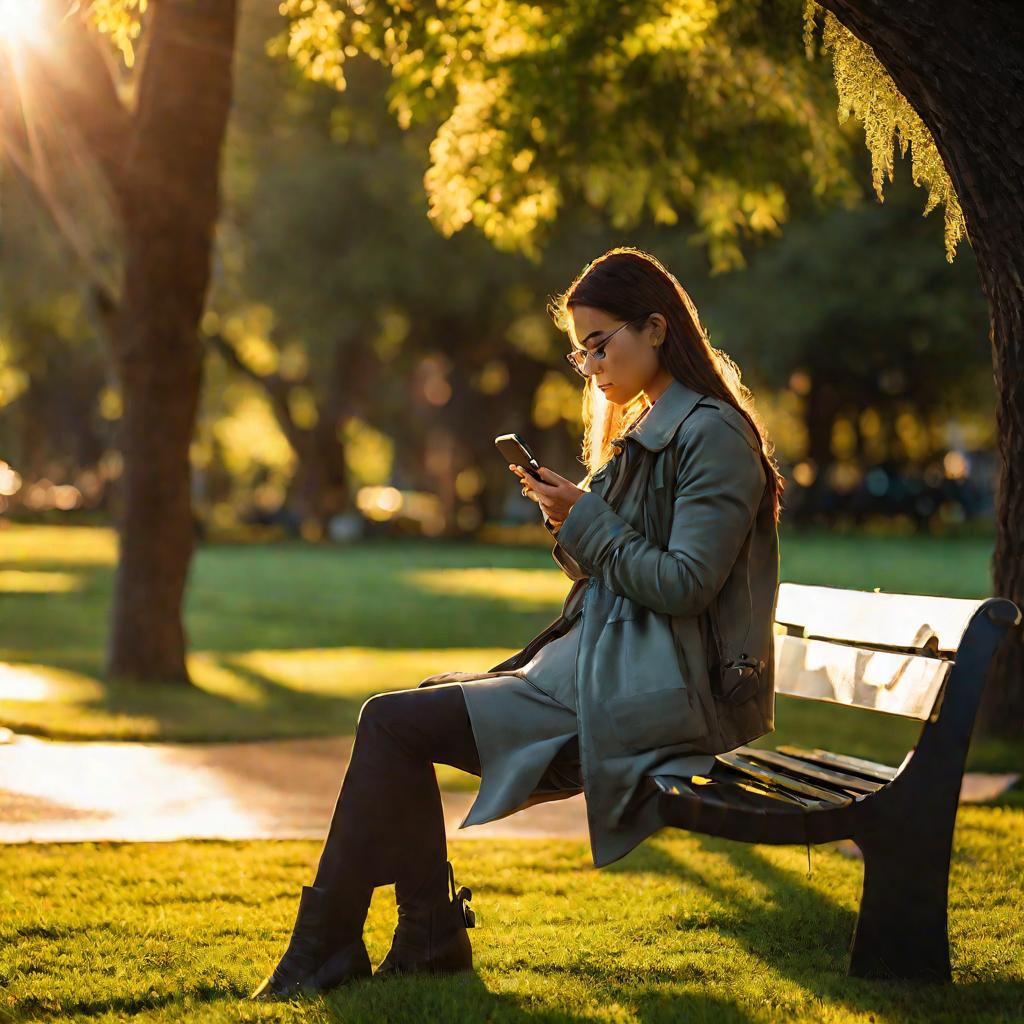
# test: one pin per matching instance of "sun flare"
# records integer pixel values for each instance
(20, 21)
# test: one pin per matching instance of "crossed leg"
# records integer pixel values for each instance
(388, 823)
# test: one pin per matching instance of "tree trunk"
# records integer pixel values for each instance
(960, 67)
(168, 193)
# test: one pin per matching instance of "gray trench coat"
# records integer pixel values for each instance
(675, 565)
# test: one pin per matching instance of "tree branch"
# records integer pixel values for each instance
(276, 386)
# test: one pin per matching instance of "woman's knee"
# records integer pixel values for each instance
(433, 720)
(380, 709)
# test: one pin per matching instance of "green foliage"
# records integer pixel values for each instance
(648, 109)
(704, 108)
(862, 302)
(867, 91)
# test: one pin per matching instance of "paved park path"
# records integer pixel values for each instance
(53, 791)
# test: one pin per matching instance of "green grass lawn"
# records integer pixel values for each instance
(290, 639)
(683, 929)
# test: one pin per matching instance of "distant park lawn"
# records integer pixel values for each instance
(289, 639)
(683, 929)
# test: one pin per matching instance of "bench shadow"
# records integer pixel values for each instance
(805, 936)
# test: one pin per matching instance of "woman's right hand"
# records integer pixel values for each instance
(555, 497)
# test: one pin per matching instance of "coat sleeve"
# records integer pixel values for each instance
(565, 561)
(719, 483)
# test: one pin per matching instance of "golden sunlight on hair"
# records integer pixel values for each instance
(629, 283)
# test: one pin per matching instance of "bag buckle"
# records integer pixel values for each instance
(740, 679)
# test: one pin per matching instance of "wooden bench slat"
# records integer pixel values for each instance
(728, 796)
(729, 778)
(796, 766)
(774, 777)
(869, 617)
(860, 765)
(896, 684)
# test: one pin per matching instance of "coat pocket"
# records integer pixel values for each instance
(660, 718)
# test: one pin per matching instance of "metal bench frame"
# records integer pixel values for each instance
(902, 819)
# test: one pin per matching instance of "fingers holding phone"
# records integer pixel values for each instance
(553, 493)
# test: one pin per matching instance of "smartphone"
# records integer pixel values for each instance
(517, 452)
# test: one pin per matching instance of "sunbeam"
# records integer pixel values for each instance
(20, 21)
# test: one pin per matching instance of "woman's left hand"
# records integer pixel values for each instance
(555, 495)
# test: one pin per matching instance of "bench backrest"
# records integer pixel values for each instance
(885, 652)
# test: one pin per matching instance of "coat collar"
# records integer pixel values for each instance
(657, 427)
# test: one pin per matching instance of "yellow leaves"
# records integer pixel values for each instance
(867, 91)
(293, 362)
(729, 210)
(530, 334)
(110, 406)
(546, 101)
(121, 20)
(369, 454)
(13, 379)
(313, 40)
(522, 160)
(681, 27)
(556, 399)
(765, 209)
(661, 209)
(493, 377)
(394, 326)
(249, 435)
(468, 178)
(302, 407)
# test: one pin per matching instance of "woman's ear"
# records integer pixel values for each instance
(659, 325)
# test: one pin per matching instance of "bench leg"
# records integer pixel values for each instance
(901, 927)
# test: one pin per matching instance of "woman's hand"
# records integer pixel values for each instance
(555, 495)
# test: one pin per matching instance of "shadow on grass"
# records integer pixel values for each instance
(805, 936)
(467, 998)
(33, 1008)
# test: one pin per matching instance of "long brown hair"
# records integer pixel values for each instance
(628, 283)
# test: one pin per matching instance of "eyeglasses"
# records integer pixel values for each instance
(578, 359)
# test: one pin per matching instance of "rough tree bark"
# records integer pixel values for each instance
(160, 157)
(169, 200)
(961, 66)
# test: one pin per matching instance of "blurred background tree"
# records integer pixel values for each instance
(361, 349)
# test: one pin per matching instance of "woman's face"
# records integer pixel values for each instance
(630, 364)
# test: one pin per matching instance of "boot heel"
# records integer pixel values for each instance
(433, 939)
(453, 954)
(462, 898)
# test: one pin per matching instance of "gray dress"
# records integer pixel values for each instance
(524, 725)
(525, 728)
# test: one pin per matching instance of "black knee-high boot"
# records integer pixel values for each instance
(388, 826)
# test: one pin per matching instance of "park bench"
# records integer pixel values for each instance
(920, 657)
